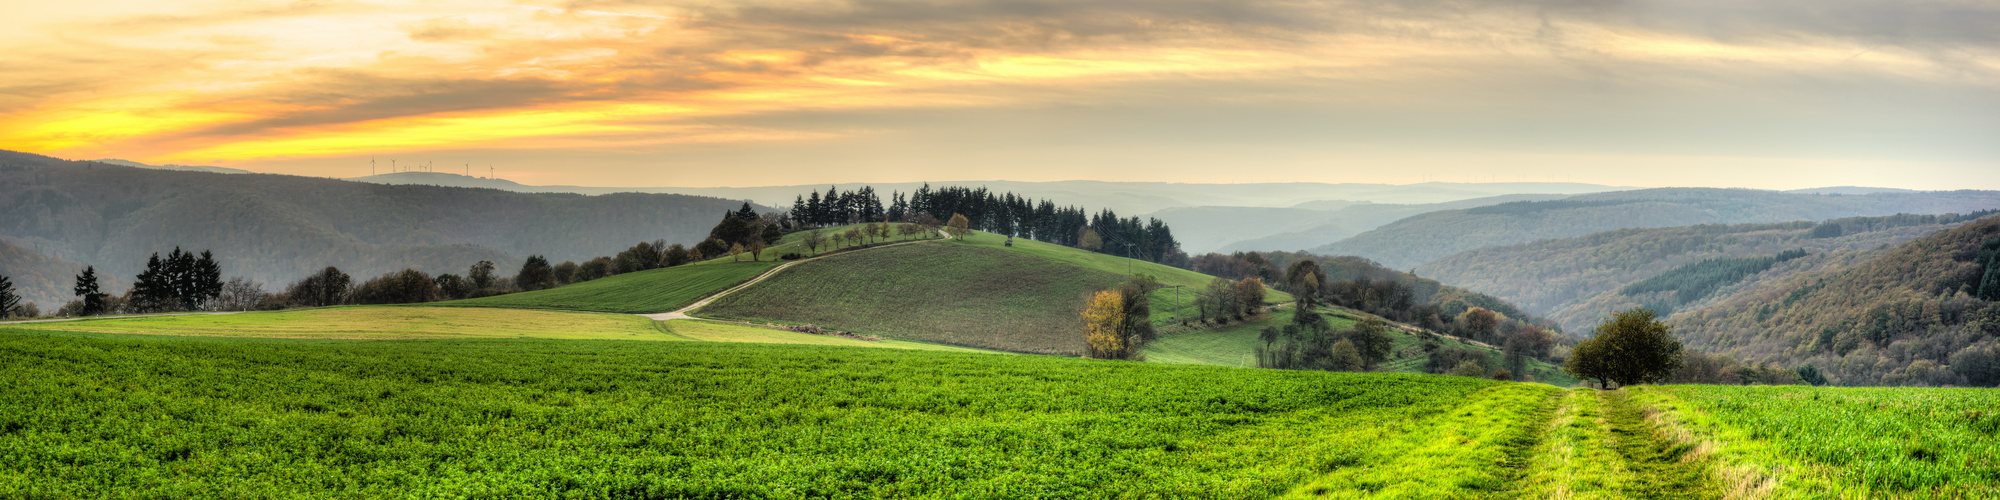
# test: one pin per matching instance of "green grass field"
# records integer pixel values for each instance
(657, 290)
(1805, 442)
(118, 416)
(930, 292)
(797, 416)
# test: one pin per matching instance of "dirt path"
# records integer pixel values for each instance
(118, 317)
(682, 313)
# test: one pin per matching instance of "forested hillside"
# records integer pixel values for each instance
(1576, 280)
(275, 229)
(1419, 239)
(1923, 313)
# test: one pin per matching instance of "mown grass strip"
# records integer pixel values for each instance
(1575, 459)
(1656, 466)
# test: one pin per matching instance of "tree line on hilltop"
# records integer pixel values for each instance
(1000, 213)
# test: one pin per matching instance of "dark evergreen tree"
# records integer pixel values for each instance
(87, 291)
(9, 299)
(536, 274)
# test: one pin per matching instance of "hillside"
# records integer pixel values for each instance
(973, 291)
(43, 280)
(1413, 241)
(1236, 345)
(1318, 227)
(1576, 280)
(274, 229)
(1922, 313)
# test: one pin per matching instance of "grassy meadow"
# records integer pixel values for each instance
(119, 416)
(933, 292)
(1167, 307)
(1816, 442)
(643, 292)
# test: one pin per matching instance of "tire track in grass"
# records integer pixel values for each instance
(1654, 466)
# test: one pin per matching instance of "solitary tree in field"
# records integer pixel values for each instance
(959, 226)
(1104, 326)
(1630, 347)
(736, 252)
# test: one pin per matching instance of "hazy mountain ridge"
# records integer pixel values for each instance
(1576, 280)
(183, 168)
(1425, 237)
(275, 228)
(1358, 218)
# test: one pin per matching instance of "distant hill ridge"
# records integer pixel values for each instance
(1576, 280)
(277, 228)
(1422, 238)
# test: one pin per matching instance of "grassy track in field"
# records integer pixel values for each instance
(189, 417)
(1575, 459)
(943, 293)
(657, 290)
(380, 322)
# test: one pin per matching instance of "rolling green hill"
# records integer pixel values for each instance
(973, 291)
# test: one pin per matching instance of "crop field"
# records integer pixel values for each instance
(103, 415)
(1805, 442)
(380, 322)
(939, 293)
(652, 291)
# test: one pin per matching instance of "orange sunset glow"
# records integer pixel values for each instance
(632, 93)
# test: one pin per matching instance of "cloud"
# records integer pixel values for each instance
(186, 82)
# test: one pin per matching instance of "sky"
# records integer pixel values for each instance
(1774, 94)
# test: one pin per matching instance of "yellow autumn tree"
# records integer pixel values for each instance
(959, 226)
(1103, 326)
